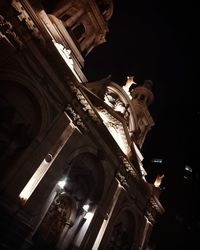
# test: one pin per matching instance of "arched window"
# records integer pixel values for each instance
(142, 97)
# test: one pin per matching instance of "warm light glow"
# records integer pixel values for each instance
(89, 216)
(86, 207)
(33, 182)
(128, 84)
(158, 180)
(65, 53)
(62, 183)
(45, 165)
(116, 135)
(139, 155)
(145, 232)
(107, 219)
(140, 159)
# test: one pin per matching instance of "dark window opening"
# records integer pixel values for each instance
(142, 98)
(65, 17)
(78, 31)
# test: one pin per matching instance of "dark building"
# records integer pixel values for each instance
(71, 168)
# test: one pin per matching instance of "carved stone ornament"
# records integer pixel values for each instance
(84, 103)
(6, 29)
(122, 179)
(128, 167)
(87, 108)
(24, 16)
(75, 118)
(112, 122)
(152, 210)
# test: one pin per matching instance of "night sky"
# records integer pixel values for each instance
(156, 40)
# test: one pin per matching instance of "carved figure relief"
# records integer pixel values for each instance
(50, 230)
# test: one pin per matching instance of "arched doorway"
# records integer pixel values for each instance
(65, 223)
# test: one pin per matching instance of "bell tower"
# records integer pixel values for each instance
(143, 94)
(85, 21)
(142, 97)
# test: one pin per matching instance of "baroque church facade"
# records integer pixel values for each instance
(70, 150)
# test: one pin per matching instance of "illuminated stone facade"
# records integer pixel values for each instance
(71, 168)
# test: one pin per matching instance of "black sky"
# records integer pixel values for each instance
(156, 40)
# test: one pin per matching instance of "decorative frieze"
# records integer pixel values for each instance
(84, 103)
(75, 118)
(153, 209)
(122, 179)
(128, 167)
(23, 16)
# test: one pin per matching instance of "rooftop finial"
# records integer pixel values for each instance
(158, 180)
(128, 84)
